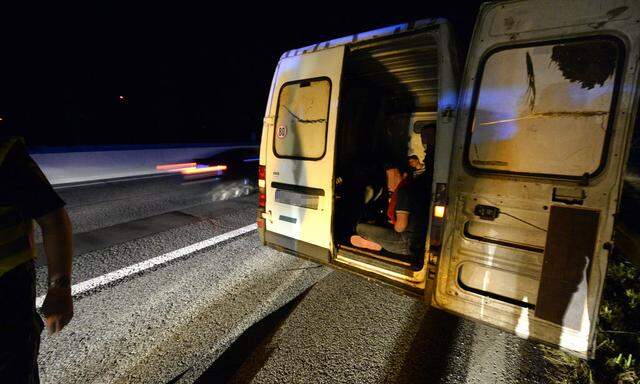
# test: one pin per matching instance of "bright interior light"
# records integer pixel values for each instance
(438, 211)
(261, 183)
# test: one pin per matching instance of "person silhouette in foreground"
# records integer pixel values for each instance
(26, 196)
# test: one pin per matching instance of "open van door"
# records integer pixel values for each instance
(300, 132)
(545, 116)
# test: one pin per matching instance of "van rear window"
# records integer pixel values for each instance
(545, 109)
(301, 119)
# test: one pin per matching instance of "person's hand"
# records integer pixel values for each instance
(57, 308)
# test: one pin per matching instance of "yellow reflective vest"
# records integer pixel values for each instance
(16, 231)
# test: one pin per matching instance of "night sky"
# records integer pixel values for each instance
(187, 74)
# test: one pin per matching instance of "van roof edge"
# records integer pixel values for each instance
(368, 35)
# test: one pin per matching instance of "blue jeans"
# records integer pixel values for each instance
(388, 238)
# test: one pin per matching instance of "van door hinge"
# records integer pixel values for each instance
(447, 114)
(268, 122)
(433, 258)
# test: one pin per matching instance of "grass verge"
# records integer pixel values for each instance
(618, 339)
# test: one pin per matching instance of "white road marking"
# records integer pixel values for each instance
(144, 265)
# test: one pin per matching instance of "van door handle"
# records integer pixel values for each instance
(569, 195)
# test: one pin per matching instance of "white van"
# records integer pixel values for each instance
(525, 152)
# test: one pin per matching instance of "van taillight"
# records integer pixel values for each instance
(439, 211)
(262, 202)
(437, 228)
(262, 190)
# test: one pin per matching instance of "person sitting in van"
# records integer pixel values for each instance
(417, 168)
(421, 178)
(397, 237)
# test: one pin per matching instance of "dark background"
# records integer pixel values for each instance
(188, 74)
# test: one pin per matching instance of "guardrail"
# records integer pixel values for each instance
(69, 166)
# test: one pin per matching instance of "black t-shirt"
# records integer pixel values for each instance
(403, 204)
(23, 185)
(411, 198)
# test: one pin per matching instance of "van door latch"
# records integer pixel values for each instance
(267, 215)
(486, 212)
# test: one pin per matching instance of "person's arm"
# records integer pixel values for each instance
(402, 220)
(56, 235)
(403, 210)
(31, 192)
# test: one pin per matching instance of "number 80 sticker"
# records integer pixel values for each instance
(281, 132)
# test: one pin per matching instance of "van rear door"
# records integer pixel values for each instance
(547, 103)
(301, 127)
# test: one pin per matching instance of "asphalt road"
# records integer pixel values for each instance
(347, 330)
(239, 312)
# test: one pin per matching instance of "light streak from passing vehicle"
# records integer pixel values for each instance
(205, 169)
(174, 167)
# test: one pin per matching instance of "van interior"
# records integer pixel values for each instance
(387, 112)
